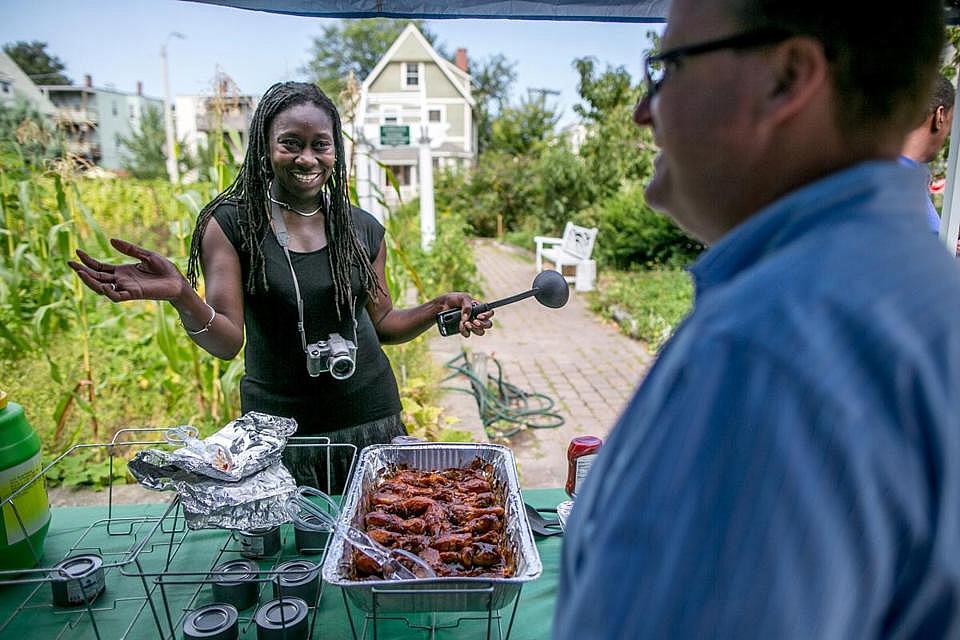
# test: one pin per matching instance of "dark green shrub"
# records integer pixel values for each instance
(633, 234)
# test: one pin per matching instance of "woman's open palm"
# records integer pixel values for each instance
(154, 277)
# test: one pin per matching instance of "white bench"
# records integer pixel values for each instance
(572, 250)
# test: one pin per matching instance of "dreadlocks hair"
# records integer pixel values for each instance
(249, 189)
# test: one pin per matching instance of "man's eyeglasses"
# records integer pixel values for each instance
(657, 68)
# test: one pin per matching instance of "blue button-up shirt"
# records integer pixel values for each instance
(790, 467)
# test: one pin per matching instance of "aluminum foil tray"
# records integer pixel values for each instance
(438, 594)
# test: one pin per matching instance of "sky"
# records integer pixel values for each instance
(118, 42)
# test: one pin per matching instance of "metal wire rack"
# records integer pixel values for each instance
(369, 624)
(155, 577)
(118, 539)
(151, 582)
(182, 587)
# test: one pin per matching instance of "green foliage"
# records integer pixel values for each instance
(353, 46)
(615, 149)
(530, 182)
(33, 60)
(523, 129)
(81, 366)
(501, 184)
(492, 79)
(647, 305)
(631, 233)
(448, 266)
(27, 139)
(84, 468)
(426, 420)
(144, 156)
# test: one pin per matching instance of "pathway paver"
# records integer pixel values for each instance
(570, 354)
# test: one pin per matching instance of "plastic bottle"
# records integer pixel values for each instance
(20, 461)
(580, 456)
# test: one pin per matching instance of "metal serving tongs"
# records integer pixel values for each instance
(298, 506)
(216, 455)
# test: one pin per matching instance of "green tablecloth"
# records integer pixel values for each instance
(123, 611)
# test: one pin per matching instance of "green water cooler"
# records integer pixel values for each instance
(20, 461)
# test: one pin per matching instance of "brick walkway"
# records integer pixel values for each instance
(584, 364)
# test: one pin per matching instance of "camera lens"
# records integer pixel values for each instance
(341, 367)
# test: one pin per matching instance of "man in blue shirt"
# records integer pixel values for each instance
(790, 467)
(924, 142)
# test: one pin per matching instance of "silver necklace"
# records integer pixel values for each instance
(305, 214)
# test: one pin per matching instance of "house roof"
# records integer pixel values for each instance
(410, 31)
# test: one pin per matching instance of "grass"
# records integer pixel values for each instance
(647, 305)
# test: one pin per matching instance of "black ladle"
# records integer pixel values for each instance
(549, 288)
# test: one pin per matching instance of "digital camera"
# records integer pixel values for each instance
(335, 354)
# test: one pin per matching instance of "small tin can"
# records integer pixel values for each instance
(260, 543)
(77, 579)
(283, 618)
(235, 582)
(213, 622)
(310, 541)
(298, 578)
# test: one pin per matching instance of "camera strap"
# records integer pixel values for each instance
(283, 238)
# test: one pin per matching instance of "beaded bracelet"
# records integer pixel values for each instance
(206, 327)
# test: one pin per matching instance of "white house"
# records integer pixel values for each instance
(414, 105)
(17, 85)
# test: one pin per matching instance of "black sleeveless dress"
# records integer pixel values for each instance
(361, 410)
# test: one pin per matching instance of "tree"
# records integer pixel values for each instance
(615, 149)
(33, 60)
(144, 146)
(492, 78)
(357, 46)
(524, 129)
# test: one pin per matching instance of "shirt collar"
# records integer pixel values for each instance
(894, 184)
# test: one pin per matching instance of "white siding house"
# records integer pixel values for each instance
(411, 96)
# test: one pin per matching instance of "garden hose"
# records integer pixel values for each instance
(505, 409)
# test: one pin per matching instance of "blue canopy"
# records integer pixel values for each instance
(600, 10)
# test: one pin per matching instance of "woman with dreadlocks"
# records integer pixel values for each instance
(288, 262)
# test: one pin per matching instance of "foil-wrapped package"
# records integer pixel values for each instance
(233, 479)
(252, 503)
(242, 447)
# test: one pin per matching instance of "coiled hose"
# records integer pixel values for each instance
(505, 409)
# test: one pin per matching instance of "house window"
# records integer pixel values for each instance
(434, 115)
(133, 112)
(411, 75)
(114, 107)
(4, 87)
(402, 174)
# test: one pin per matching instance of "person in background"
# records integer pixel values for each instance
(284, 234)
(790, 466)
(925, 141)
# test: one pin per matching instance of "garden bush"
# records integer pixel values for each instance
(633, 234)
(646, 304)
